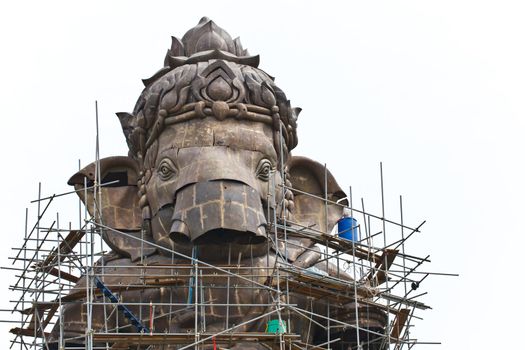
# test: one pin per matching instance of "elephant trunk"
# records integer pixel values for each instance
(219, 211)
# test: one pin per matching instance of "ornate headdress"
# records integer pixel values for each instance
(207, 74)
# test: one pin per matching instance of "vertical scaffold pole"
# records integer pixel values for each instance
(327, 252)
(23, 276)
(35, 303)
(385, 255)
(86, 272)
(60, 319)
(359, 346)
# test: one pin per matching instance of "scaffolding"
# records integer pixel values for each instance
(368, 281)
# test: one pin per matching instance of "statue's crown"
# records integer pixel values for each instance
(204, 37)
(207, 74)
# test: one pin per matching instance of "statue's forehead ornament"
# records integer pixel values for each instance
(207, 74)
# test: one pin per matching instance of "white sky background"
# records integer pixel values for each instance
(434, 90)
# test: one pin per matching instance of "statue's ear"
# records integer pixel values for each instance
(119, 208)
(309, 176)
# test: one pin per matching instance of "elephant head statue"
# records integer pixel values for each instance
(210, 167)
(210, 140)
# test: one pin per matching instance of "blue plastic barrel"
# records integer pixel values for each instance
(347, 228)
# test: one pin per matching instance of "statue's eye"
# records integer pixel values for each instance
(166, 169)
(263, 170)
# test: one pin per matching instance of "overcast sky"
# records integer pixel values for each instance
(434, 90)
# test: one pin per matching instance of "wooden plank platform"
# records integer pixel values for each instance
(28, 332)
(62, 274)
(187, 338)
(330, 284)
(378, 275)
(399, 323)
(334, 242)
(65, 247)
